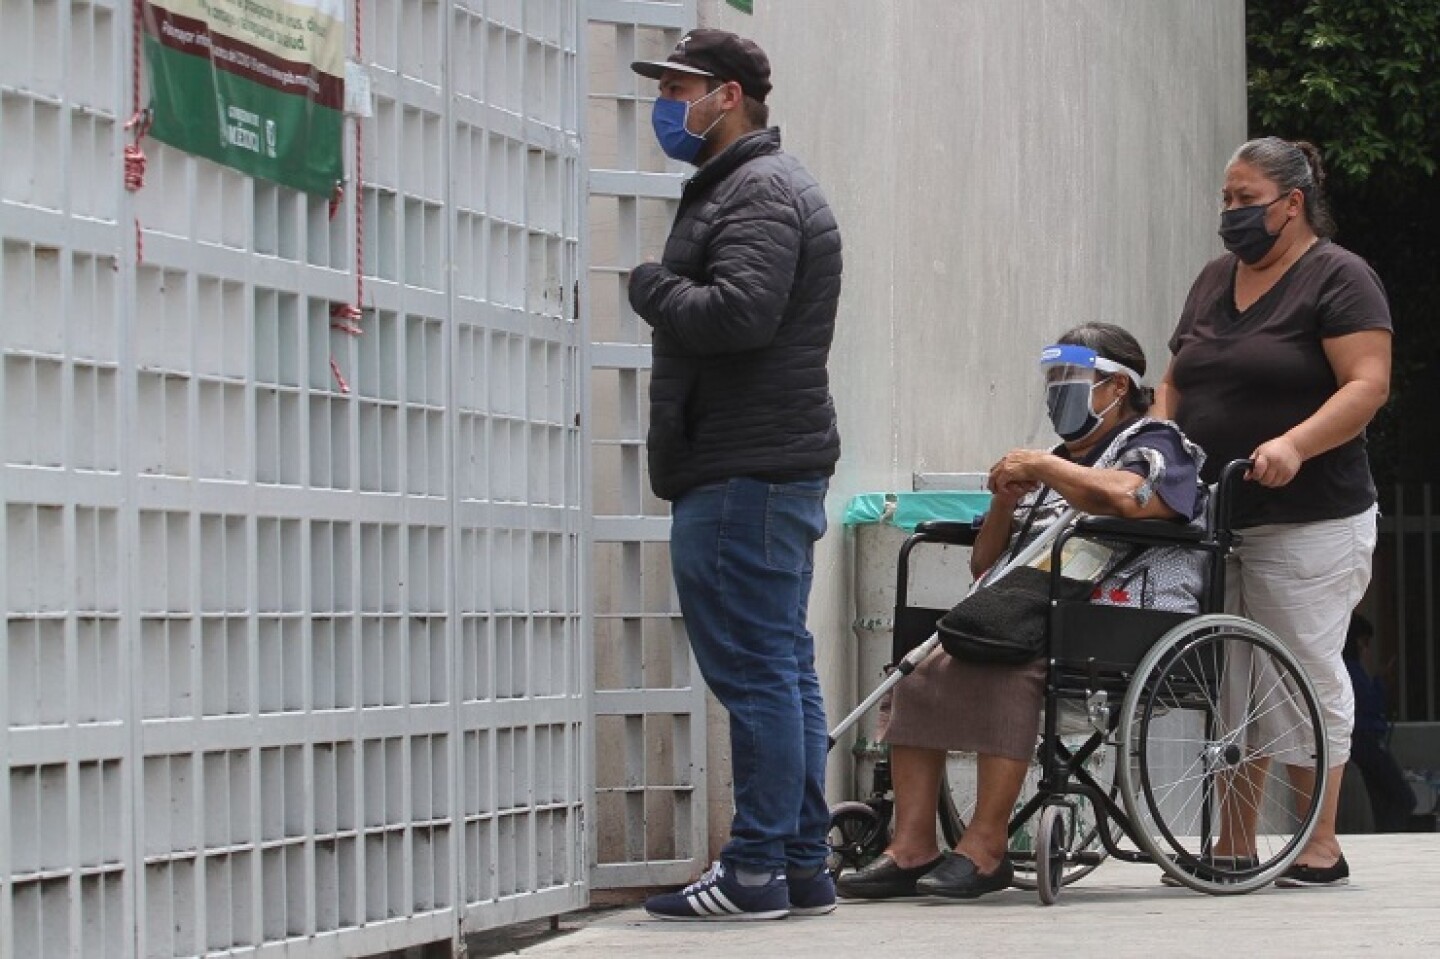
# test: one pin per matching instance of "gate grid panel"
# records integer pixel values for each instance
(650, 765)
(292, 668)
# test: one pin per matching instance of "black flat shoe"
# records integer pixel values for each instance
(1298, 876)
(882, 879)
(957, 878)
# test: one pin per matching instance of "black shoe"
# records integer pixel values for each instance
(1218, 865)
(883, 879)
(957, 878)
(1298, 876)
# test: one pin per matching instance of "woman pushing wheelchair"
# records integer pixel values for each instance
(1113, 461)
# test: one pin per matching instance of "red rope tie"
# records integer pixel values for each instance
(133, 155)
(345, 318)
(139, 122)
(134, 167)
(359, 210)
(137, 11)
(339, 377)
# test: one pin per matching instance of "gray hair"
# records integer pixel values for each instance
(1292, 166)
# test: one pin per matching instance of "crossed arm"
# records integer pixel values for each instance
(1102, 492)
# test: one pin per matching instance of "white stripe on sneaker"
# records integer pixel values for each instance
(720, 903)
(704, 904)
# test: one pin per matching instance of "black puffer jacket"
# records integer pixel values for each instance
(743, 311)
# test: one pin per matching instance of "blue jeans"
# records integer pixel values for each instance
(743, 555)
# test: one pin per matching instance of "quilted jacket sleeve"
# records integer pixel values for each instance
(751, 254)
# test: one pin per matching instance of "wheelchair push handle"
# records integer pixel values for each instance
(1230, 477)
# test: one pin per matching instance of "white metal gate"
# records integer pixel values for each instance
(290, 667)
(650, 807)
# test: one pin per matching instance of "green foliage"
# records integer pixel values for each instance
(1359, 79)
(1359, 75)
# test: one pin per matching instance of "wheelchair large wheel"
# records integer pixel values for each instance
(857, 836)
(1085, 850)
(1221, 729)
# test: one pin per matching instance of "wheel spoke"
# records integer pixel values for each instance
(1183, 788)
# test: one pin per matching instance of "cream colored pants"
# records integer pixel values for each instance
(1302, 581)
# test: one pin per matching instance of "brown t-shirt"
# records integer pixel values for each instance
(1247, 377)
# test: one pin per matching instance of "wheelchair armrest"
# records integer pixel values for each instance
(953, 532)
(1141, 532)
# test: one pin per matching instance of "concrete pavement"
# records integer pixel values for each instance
(1390, 908)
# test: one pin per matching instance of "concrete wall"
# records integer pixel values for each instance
(1001, 171)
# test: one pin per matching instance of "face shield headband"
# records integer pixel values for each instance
(1069, 372)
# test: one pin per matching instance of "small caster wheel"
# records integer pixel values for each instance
(1050, 852)
(856, 837)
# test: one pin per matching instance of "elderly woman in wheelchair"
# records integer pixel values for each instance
(1113, 461)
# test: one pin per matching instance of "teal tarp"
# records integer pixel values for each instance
(907, 510)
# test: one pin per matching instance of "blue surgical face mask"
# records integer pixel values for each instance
(668, 117)
(1071, 405)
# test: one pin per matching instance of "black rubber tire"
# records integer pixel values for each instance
(1051, 842)
(1204, 695)
(857, 835)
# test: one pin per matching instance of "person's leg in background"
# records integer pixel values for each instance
(1391, 798)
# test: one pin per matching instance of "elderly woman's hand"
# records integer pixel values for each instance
(1015, 474)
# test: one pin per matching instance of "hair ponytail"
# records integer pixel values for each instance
(1293, 166)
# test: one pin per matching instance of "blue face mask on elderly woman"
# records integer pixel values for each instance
(1070, 384)
(669, 118)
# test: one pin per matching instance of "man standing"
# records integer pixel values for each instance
(743, 441)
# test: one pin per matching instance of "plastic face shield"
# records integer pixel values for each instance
(1069, 372)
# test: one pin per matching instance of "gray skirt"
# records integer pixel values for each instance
(958, 706)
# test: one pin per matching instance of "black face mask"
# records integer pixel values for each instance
(1243, 232)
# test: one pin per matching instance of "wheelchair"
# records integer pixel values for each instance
(1157, 726)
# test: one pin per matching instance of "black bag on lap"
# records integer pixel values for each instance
(1006, 622)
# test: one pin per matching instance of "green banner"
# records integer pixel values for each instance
(257, 85)
(744, 6)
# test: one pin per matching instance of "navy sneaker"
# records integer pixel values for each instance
(717, 895)
(812, 895)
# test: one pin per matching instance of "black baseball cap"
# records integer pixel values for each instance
(715, 53)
